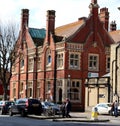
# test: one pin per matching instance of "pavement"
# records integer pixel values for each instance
(75, 117)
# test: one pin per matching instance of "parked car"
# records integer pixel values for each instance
(105, 108)
(26, 106)
(4, 106)
(47, 105)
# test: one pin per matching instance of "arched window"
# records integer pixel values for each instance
(48, 57)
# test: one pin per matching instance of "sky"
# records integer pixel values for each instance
(67, 11)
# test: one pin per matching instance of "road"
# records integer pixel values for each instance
(6, 120)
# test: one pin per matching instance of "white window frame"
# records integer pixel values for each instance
(39, 63)
(60, 58)
(71, 88)
(30, 89)
(22, 63)
(38, 89)
(14, 90)
(30, 63)
(74, 59)
(94, 64)
(21, 87)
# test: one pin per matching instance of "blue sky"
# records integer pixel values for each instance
(67, 11)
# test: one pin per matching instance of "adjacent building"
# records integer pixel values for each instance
(54, 63)
(115, 63)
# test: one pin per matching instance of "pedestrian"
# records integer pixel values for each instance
(68, 108)
(112, 109)
(116, 108)
(63, 109)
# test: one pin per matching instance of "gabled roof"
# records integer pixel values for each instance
(69, 29)
(115, 35)
(38, 35)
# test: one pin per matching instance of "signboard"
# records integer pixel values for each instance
(90, 74)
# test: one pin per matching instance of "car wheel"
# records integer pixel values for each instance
(23, 113)
(46, 112)
(111, 113)
(10, 112)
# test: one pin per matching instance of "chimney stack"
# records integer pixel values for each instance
(113, 26)
(94, 8)
(24, 18)
(50, 24)
(24, 22)
(94, 1)
(104, 17)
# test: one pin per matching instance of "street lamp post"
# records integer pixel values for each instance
(69, 87)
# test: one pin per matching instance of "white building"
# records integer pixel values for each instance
(115, 65)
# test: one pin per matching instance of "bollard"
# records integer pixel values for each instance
(94, 115)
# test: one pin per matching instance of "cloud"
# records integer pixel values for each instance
(67, 11)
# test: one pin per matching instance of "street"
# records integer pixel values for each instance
(26, 121)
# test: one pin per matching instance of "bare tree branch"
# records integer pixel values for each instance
(8, 37)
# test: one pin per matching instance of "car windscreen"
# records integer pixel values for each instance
(49, 104)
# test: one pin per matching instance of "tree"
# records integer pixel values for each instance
(8, 37)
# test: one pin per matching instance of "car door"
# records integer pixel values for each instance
(21, 105)
(15, 107)
(105, 109)
(102, 109)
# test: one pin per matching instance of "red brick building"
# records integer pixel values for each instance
(54, 62)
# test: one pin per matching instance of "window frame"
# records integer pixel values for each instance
(73, 60)
(93, 64)
(71, 90)
(30, 89)
(39, 63)
(48, 57)
(60, 59)
(107, 63)
(30, 64)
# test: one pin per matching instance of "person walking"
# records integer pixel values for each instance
(112, 109)
(63, 108)
(68, 108)
(116, 108)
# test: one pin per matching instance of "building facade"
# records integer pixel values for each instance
(53, 63)
(98, 90)
(115, 64)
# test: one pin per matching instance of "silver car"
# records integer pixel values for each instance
(47, 105)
